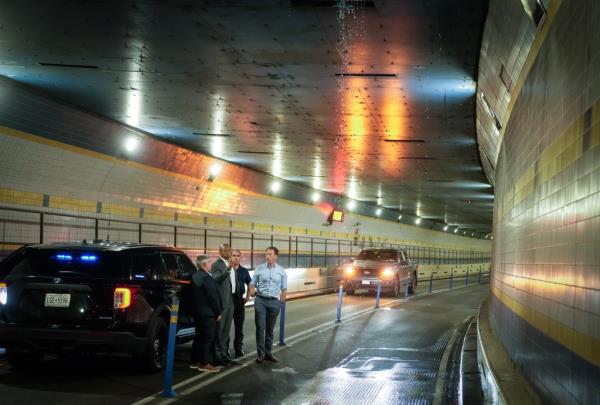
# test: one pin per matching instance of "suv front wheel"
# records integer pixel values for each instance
(154, 357)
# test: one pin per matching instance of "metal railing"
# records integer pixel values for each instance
(27, 226)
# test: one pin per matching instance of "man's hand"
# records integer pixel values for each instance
(251, 291)
(282, 296)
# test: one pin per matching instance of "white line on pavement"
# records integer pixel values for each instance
(298, 337)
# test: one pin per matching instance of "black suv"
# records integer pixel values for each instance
(93, 297)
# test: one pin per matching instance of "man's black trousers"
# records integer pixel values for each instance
(239, 313)
(204, 336)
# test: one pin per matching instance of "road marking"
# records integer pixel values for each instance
(297, 338)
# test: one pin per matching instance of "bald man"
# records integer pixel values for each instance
(226, 280)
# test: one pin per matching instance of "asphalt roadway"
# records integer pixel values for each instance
(389, 355)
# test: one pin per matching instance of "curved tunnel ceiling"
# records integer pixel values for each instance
(370, 99)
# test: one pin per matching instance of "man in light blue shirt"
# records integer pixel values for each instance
(270, 284)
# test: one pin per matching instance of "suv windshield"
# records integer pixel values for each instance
(379, 255)
(50, 263)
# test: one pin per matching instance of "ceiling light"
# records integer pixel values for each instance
(351, 204)
(132, 143)
(378, 211)
(418, 221)
(214, 171)
(275, 186)
(315, 197)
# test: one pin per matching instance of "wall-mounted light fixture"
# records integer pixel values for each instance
(351, 205)
(275, 187)
(378, 211)
(214, 171)
(418, 221)
(316, 197)
(445, 228)
(132, 143)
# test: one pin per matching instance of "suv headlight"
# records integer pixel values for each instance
(348, 271)
(387, 273)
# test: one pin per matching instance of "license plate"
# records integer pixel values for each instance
(366, 282)
(57, 300)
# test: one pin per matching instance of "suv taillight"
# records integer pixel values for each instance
(122, 297)
(3, 293)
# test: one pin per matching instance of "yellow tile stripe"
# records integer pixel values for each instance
(560, 154)
(21, 197)
(585, 346)
(72, 204)
(192, 219)
(218, 222)
(120, 210)
(240, 224)
(156, 215)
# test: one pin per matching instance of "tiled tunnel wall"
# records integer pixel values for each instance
(55, 159)
(546, 256)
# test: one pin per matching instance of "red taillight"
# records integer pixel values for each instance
(122, 297)
(3, 293)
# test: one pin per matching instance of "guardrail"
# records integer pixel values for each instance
(20, 226)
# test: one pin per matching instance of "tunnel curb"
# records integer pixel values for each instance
(502, 380)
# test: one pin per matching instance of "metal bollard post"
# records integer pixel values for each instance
(430, 282)
(168, 391)
(406, 289)
(378, 293)
(282, 325)
(339, 307)
(479, 277)
(451, 277)
(467, 279)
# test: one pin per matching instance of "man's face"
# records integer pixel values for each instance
(270, 256)
(206, 266)
(235, 257)
(225, 252)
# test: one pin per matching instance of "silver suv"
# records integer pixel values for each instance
(390, 267)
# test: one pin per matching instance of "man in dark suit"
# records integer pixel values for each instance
(240, 297)
(207, 312)
(225, 278)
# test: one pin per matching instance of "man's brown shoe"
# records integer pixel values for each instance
(209, 368)
(270, 357)
(260, 358)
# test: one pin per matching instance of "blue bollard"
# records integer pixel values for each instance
(378, 293)
(339, 307)
(467, 279)
(168, 391)
(406, 289)
(430, 282)
(451, 277)
(282, 325)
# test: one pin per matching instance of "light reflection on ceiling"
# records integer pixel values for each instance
(257, 86)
